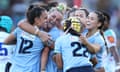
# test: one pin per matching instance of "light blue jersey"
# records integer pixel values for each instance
(55, 33)
(26, 57)
(74, 54)
(51, 66)
(98, 39)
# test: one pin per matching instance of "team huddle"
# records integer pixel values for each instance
(75, 40)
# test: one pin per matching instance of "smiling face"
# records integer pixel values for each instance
(55, 17)
(36, 16)
(42, 19)
(92, 21)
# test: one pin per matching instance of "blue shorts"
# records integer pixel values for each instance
(81, 69)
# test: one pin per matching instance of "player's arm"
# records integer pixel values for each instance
(11, 39)
(115, 54)
(58, 60)
(23, 24)
(94, 61)
(113, 48)
(93, 48)
(44, 58)
(57, 57)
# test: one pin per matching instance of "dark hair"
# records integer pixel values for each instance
(101, 32)
(71, 31)
(85, 10)
(107, 16)
(33, 12)
(101, 18)
(70, 11)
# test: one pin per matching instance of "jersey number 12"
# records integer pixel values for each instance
(25, 45)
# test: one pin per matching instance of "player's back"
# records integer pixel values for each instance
(26, 57)
(74, 54)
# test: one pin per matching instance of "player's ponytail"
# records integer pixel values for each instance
(101, 18)
(101, 32)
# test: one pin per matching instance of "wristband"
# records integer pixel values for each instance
(36, 31)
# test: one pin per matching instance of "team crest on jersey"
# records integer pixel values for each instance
(111, 39)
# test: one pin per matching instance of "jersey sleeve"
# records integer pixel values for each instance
(110, 38)
(57, 46)
(15, 32)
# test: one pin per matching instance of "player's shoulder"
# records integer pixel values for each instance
(109, 32)
(18, 29)
(62, 37)
(110, 36)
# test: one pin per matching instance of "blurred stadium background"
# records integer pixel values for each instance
(16, 9)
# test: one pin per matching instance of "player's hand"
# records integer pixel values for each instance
(83, 39)
(44, 36)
